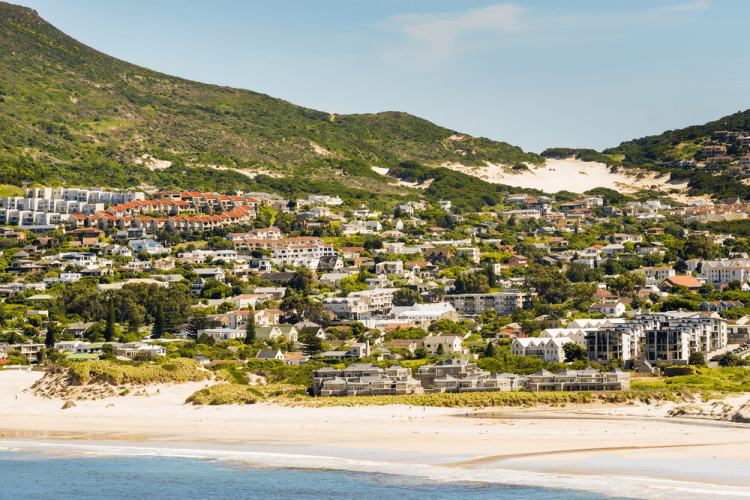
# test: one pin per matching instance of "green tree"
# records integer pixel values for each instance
(471, 283)
(680, 267)
(357, 329)
(250, 334)
(626, 283)
(205, 340)
(197, 323)
(489, 351)
(109, 327)
(440, 350)
(312, 345)
(225, 307)
(491, 277)
(406, 297)
(697, 246)
(421, 352)
(574, 352)
(697, 359)
(728, 360)
(160, 323)
(550, 284)
(301, 280)
(50, 338)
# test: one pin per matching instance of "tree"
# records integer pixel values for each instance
(550, 284)
(697, 246)
(697, 359)
(109, 328)
(626, 283)
(301, 280)
(225, 307)
(583, 295)
(491, 277)
(728, 360)
(406, 297)
(160, 323)
(421, 352)
(197, 323)
(297, 308)
(3, 318)
(574, 352)
(357, 329)
(50, 337)
(205, 340)
(250, 335)
(440, 350)
(680, 267)
(489, 351)
(134, 321)
(471, 283)
(312, 345)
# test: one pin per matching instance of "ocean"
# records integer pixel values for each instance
(36, 474)
(122, 467)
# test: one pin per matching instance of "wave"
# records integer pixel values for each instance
(614, 485)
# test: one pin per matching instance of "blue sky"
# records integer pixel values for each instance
(535, 74)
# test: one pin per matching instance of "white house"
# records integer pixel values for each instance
(452, 344)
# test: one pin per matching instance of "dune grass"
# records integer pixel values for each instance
(178, 370)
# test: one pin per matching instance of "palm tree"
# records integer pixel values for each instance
(728, 360)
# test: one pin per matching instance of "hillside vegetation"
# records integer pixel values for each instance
(70, 114)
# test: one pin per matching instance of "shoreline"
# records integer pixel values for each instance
(524, 447)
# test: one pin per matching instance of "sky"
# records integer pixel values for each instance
(535, 74)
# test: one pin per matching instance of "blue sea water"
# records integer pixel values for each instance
(43, 475)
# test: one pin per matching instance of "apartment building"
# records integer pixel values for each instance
(361, 305)
(474, 304)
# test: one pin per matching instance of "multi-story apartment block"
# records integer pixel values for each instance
(361, 305)
(474, 304)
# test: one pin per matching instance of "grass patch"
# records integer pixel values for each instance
(225, 394)
(181, 370)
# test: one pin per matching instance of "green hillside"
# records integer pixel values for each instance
(681, 144)
(70, 114)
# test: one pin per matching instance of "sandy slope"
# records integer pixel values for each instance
(570, 175)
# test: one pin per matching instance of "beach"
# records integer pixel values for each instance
(521, 445)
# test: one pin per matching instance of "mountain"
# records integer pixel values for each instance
(71, 114)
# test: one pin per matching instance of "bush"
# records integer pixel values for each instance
(674, 371)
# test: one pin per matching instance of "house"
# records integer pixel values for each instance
(610, 309)
(687, 281)
(434, 255)
(658, 273)
(720, 305)
(269, 355)
(211, 273)
(518, 261)
(452, 344)
(148, 245)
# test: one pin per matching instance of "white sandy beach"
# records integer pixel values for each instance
(626, 433)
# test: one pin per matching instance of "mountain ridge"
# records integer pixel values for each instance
(66, 103)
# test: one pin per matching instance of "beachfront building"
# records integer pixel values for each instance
(365, 380)
(457, 375)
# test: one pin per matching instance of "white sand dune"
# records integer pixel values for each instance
(570, 175)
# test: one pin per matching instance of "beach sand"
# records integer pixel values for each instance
(575, 440)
